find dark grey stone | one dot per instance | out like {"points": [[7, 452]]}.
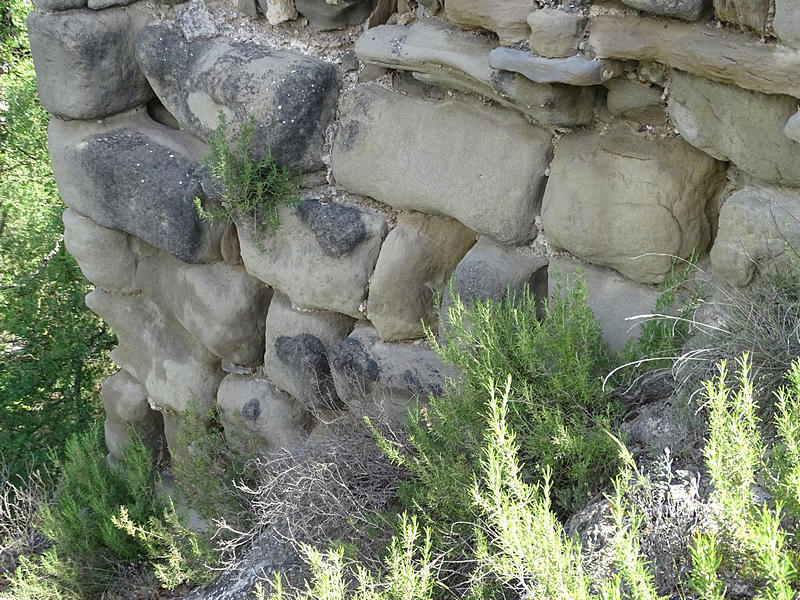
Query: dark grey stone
{"points": [[54, 5], [84, 59], [307, 355], [326, 16], [337, 227], [688, 10], [350, 357], [291, 97], [251, 410]]}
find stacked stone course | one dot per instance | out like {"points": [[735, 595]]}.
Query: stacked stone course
{"points": [[501, 142]]}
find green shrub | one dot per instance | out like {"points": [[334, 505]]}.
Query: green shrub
{"points": [[251, 191]]}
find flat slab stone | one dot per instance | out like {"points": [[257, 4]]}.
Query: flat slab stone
{"points": [[750, 13], [443, 55], [175, 369], [733, 124], [688, 10], [493, 188], [221, 305], [297, 351], [415, 262], [612, 298], [131, 174], [650, 207], [574, 70], [322, 255], [292, 97], [96, 50], [54, 5], [718, 54], [507, 18], [335, 15], [755, 226], [384, 379], [254, 409]]}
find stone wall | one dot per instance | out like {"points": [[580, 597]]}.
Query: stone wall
{"points": [[497, 142]]}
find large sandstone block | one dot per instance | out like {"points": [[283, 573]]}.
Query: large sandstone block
{"points": [[652, 200], [291, 97], [750, 13], [445, 56], [104, 255], [131, 174], [507, 18], [84, 60], [787, 22], [322, 255], [297, 351], [255, 409], [492, 183], [127, 411], [738, 125], [416, 261], [221, 305], [175, 369], [384, 379], [756, 224], [613, 299]]}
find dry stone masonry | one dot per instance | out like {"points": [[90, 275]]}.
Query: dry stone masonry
{"points": [[447, 147]]}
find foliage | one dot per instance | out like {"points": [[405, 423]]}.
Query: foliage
{"points": [[557, 405], [53, 351], [103, 518], [251, 191]]}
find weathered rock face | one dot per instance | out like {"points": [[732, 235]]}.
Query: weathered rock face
{"points": [[222, 306], [291, 97], [255, 409], [787, 22], [750, 13], [278, 11], [755, 226], [125, 402], [413, 267], [652, 200], [134, 175], [54, 5], [335, 15], [554, 33], [297, 351], [507, 18], [175, 369], [321, 256], [96, 49], [104, 255], [636, 101], [737, 125], [384, 379], [574, 70], [388, 158], [688, 10], [612, 298], [445, 56]]}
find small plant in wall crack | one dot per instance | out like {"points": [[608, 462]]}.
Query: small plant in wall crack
{"points": [[250, 191]]}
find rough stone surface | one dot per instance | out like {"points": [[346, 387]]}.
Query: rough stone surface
{"points": [[131, 174], [291, 97], [125, 402], [383, 379], [54, 5], [96, 50], [222, 306], [489, 271], [416, 260], [298, 345], [248, 7], [652, 200], [507, 18], [612, 298], [688, 10], [787, 22], [719, 54], [278, 11], [321, 256], [196, 22], [737, 125], [636, 101], [574, 70], [554, 32], [755, 226], [104, 255], [792, 127], [176, 369], [750, 13], [442, 55], [326, 15], [494, 188], [254, 408]]}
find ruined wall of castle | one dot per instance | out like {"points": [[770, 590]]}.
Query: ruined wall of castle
{"points": [[497, 142]]}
